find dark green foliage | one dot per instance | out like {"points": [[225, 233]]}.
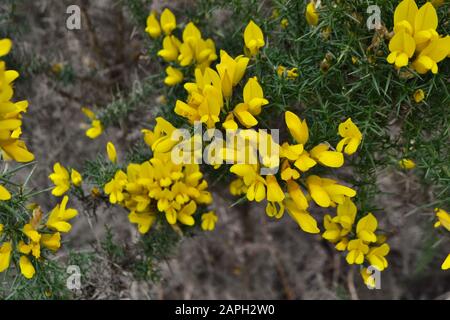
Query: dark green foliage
{"points": [[99, 171], [139, 10], [156, 246]]}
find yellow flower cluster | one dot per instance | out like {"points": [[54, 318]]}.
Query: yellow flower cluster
{"points": [[11, 147], [62, 180], [192, 49], [294, 189], [295, 162], [415, 37], [159, 186], [36, 236], [210, 95], [361, 243], [443, 221]]}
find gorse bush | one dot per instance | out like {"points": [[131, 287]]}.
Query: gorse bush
{"points": [[296, 106]]}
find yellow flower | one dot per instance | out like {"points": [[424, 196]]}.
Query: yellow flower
{"points": [[33, 247], [61, 180], [174, 190], [356, 251], [443, 219], [436, 51], [425, 24], [419, 95], [407, 164], [376, 256], [404, 16], [11, 148], [351, 137], [16, 150], [367, 277], [5, 47], [144, 220], [342, 245], [253, 38], [284, 23], [195, 48], [51, 241], [274, 191], [305, 221], [229, 123], [174, 76], [95, 130], [289, 73], [153, 28], [365, 229], [245, 117], [170, 49], [326, 192], [191, 37], [287, 173], [292, 73], [402, 47], [5, 251], [159, 140], [75, 177], [1, 228], [26, 267], [312, 18], [111, 151], [238, 187], [415, 30], [209, 220], [275, 209], [346, 214], [168, 21], [325, 157], [341, 225], [297, 127], [297, 195], [256, 189], [254, 96], [4, 193], [30, 231], [209, 109], [253, 101], [292, 152], [332, 231], [281, 70], [59, 216], [115, 187], [445, 264], [231, 70], [184, 215], [88, 113]]}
